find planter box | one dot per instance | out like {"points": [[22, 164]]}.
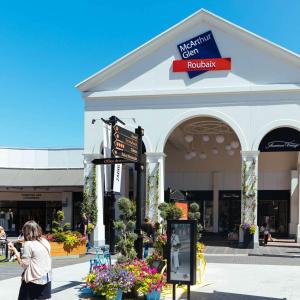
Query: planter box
{"points": [[58, 249], [248, 240]]}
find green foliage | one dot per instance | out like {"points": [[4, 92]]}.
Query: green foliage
{"points": [[125, 227], [194, 214], [61, 232], [89, 203], [169, 211]]}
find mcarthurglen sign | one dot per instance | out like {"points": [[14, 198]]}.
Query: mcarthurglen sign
{"points": [[199, 55]]}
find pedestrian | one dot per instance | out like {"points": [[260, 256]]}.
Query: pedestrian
{"points": [[83, 227], [264, 229], [147, 227], [3, 241], [36, 262], [2, 234]]}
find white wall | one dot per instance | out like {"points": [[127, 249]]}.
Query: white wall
{"points": [[41, 158]]}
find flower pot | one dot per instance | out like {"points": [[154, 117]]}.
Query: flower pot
{"points": [[248, 240], [133, 294], [59, 249], [118, 296], [154, 295]]}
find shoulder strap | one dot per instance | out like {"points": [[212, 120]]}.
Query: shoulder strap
{"points": [[48, 251]]}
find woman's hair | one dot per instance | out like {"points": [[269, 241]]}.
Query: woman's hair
{"points": [[32, 231], [1, 228]]}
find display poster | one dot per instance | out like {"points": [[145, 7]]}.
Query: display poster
{"points": [[181, 266]]}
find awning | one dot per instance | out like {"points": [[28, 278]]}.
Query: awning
{"points": [[41, 177]]}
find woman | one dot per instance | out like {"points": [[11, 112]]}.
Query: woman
{"points": [[175, 245], [36, 262]]}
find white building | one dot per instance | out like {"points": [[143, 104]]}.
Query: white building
{"points": [[34, 183], [203, 135]]}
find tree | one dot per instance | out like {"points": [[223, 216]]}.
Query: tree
{"points": [[194, 214], [125, 227]]}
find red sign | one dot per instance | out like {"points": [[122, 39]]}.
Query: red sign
{"points": [[185, 210], [206, 64]]}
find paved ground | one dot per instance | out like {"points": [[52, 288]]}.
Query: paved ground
{"points": [[223, 282], [266, 273], [12, 269]]}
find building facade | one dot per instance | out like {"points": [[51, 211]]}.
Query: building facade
{"points": [[224, 130], [35, 183]]}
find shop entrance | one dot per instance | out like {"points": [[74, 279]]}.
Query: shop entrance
{"points": [[201, 153], [279, 150], [32, 210], [273, 209], [229, 211]]}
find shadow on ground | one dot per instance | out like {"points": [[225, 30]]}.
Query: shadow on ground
{"points": [[226, 296]]}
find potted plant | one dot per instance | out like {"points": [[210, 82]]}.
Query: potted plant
{"points": [[160, 245], [64, 241], [110, 281], [148, 281], [249, 231]]}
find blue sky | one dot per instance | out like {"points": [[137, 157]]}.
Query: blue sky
{"points": [[46, 47]]}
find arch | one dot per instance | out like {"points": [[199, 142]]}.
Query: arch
{"points": [[271, 126], [179, 119]]}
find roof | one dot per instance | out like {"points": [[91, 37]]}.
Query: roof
{"points": [[155, 43]]}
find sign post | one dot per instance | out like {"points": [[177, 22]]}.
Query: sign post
{"points": [[126, 147], [139, 169]]}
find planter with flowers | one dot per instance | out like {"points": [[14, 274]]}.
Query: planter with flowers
{"points": [[249, 231], [65, 242], [148, 281], [110, 281]]}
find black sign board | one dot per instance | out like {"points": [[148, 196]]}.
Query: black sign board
{"points": [[110, 161], [124, 154], [181, 243], [118, 145], [125, 144], [124, 132], [281, 139]]}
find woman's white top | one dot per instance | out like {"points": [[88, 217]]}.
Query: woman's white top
{"points": [[36, 260]]}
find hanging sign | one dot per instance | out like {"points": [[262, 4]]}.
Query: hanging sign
{"points": [[280, 140], [117, 178], [199, 55]]}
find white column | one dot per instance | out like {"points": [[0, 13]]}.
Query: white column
{"points": [[99, 231], [67, 206], [216, 188], [294, 210], [98, 236], [249, 191], [298, 202], [155, 181]]}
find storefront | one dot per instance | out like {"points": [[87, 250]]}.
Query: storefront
{"points": [[35, 183], [220, 111]]}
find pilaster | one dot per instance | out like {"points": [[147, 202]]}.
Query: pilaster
{"points": [[155, 178], [249, 192]]}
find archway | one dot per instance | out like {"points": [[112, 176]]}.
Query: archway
{"points": [[203, 161], [278, 199]]}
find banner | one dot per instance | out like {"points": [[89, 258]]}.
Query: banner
{"points": [[117, 178]]}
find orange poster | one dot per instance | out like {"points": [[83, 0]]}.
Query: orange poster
{"points": [[184, 208]]}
